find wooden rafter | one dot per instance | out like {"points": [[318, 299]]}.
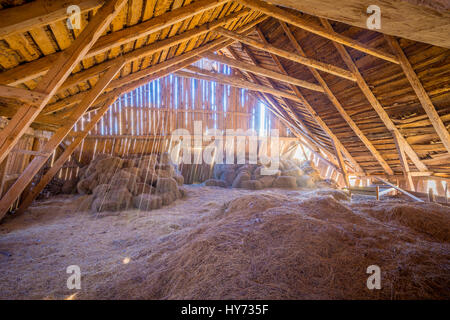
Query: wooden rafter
{"points": [[39, 13], [22, 95], [338, 105], [313, 113], [58, 74], [376, 105], [36, 68], [36, 164], [424, 99], [299, 22], [202, 74], [290, 114], [147, 74], [263, 72], [340, 158], [329, 68]]}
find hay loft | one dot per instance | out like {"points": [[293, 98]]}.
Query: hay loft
{"points": [[214, 123]]}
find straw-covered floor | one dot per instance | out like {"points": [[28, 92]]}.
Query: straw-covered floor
{"points": [[230, 244]]}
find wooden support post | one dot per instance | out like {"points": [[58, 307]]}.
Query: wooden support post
{"points": [[424, 99], [376, 105], [403, 160], [377, 189], [341, 163], [29, 198], [59, 72], [28, 174], [431, 196]]}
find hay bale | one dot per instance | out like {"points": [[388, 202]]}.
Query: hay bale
{"points": [[108, 164], [140, 188], [267, 181], [164, 185], [240, 178], [179, 179], [149, 177], [147, 201], [305, 181], [148, 162], [215, 183], [228, 176], [218, 170], [86, 203], [69, 186], [134, 170], [85, 186], [294, 172], [168, 198], [285, 182], [252, 185], [183, 192], [101, 190], [115, 200], [165, 159], [163, 174]]}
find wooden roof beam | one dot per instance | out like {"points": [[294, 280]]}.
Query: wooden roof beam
{"points": [[299, 22], [59, 72], [374, 101], [424, 99], [36, 68], [39, 13], [148, 50], [262, 72], [149, 74], [338, 105], [202, 74], [325, 67]]}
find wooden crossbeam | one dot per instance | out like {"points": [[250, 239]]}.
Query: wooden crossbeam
{"points": [[233, 81], [58, 74], [424, 99], [57, 165], [403, 161], [376, 105], [36, 68], [312, 111], [39, 13], [36, 164], [299, 22], [325, 67], [23, 95], [338, 105], [262, 71]]}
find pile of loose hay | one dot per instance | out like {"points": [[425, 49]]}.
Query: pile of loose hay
{"points": [[269, 246], [114, 184], [291, 174]]}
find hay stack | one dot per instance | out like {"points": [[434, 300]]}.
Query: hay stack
{"points": [[291, 174], [115, 184]]}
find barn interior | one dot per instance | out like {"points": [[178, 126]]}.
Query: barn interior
{"points": [[216, 149]]}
